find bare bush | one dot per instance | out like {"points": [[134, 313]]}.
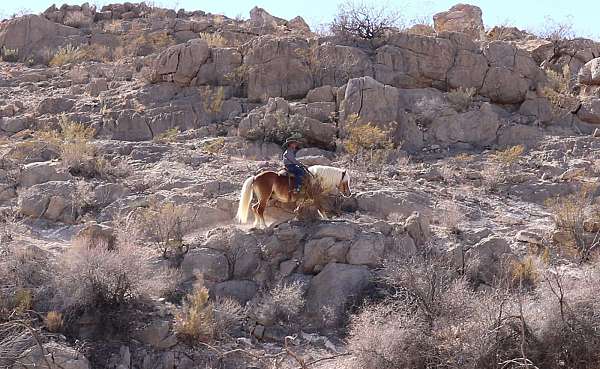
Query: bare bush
{"points": [[287, 299], [570, 215], [99, 277], [558, 91], [555, 30], [451, 217], [359, 19], [165, 225]]}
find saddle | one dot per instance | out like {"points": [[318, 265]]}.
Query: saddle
{"points": [[285, 173]]}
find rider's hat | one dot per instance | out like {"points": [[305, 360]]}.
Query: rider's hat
{"points": [[291, 141]]}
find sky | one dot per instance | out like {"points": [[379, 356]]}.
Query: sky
{"points": [[524, 14]]}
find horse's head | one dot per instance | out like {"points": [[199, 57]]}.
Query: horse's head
{"points": [[344, 184]]}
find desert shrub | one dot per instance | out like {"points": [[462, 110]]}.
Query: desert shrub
{"points": [[558, 91], [509, 156], [381, 337], [165, 225], [102, 277], [53, 321], [525, 273], [213, 99], [214, 146], [228, 316], [570, 213], [66, 55], [369, 145], [213, 39], [167, 136], [357, 19], [287, 299], [196, 319], [569, 325], [278, 131], [461, 98], [9, 55], [555, 30]]}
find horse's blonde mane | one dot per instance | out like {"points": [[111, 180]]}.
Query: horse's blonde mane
{"points": [[330, 176]]}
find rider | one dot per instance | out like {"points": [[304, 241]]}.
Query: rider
{"points": [[292, 164]]}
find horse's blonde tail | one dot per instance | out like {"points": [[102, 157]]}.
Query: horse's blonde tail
{"points": [[245, 200]]}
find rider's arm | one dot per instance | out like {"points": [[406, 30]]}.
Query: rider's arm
{"points": [[289, 155]]}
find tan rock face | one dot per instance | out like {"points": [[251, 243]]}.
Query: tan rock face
{"points": [[31, 34], [462, 18]]}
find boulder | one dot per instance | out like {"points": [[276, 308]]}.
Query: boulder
{"points": [[277, 67], [417, 227], [539, 108], [370, 100], [53, 200], [239, 290], [339, 231], [321, 94], [334, 64], [334, 287], [157, 334], [589, 74], [368, 249], [94, 234], [319, 252], [413, 61], [385, 202], [590, 110], [55, 105], [462, 18], [41, 172], [56, 354], [32, 35], [488, 260], [181, 63], [476, 127], [519, 134], [129, 125], [12, 125], [213, 265]]}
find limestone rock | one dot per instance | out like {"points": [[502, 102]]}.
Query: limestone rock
{"points": [[59, 356], [41, 172], [366, 250], [213, 265], [51, 200], [277, 67], [460, 18], [32, 34], [240, 290], [181, 63], [590, 110], [477, 127], [331, 289], [589, 74]]}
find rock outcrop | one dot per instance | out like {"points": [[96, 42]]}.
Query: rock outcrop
{"points": [[462, 18]]}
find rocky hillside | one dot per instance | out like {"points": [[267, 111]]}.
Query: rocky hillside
{"points": [[126, 133]]}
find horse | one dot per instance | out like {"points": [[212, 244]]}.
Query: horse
{"points": [[277, 185]]}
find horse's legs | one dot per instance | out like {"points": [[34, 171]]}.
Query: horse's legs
{"points": [[262, 205]]}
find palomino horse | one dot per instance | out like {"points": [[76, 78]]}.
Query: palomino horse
{"points": [[272, 184]]}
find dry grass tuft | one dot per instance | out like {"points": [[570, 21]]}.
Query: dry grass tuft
{"points": [[509, 156], [213, 39], [461, 98], [196, 320], [170, 135], [53, 321]]}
